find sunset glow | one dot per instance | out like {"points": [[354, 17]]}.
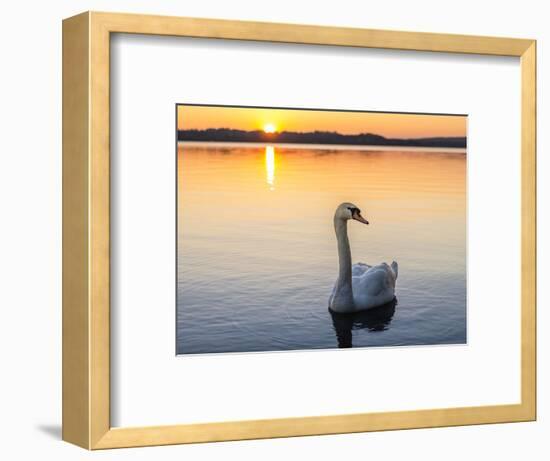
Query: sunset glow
{"points": [[269, 128], [268, 120]]}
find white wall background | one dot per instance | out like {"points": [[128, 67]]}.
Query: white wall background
{"points": [[30, 229]]}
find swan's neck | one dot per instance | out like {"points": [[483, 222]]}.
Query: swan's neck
{"points": [[344, 251], [343, 293]]}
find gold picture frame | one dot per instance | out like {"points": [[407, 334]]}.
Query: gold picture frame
{"points": [[86, 232]]}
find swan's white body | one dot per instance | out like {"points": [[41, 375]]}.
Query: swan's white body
{"points": [[358, 287]]}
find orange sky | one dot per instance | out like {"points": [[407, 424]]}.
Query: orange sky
{"points": [[386, 124]]}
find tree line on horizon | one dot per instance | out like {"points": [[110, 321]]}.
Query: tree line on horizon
{"points": [[315, 137]]}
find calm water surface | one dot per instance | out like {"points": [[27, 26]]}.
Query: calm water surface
{"points": [[257, 255]]}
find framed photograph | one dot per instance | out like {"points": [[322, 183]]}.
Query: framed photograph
{"points": [[249, 184], [276, 230]]}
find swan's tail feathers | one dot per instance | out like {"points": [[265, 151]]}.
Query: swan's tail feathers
{"points": [[395, 269]]}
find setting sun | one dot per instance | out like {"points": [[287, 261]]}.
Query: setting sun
{"points": [[269, 128]]}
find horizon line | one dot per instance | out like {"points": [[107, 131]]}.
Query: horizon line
{"points": [[338, 133]]}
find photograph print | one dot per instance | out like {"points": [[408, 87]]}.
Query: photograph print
{"points": [[304, 229]]}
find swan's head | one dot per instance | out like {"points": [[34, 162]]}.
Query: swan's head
{"points": [[346, 211]]}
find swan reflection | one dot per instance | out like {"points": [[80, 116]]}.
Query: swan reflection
{"points": [[376, 319], [270, 166]]}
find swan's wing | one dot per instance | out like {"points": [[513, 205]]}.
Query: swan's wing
{"points": [[395, 268], [375, 280], [375, 286], [359, 269]]}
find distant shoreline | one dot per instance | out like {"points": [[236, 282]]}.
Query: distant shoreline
{"points": [[317, 138]]}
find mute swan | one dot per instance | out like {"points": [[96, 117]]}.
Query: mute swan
{"points": [[360, 286]]}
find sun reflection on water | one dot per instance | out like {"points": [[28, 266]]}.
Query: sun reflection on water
{"points": [[256, 274], [270, 166]]}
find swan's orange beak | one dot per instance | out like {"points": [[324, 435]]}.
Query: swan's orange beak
{"points": [[358, 217]]}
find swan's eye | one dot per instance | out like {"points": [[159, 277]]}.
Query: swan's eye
{"points": [[354, 211]]}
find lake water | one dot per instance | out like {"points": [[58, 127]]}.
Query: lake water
{"points": [[257, 256]]}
